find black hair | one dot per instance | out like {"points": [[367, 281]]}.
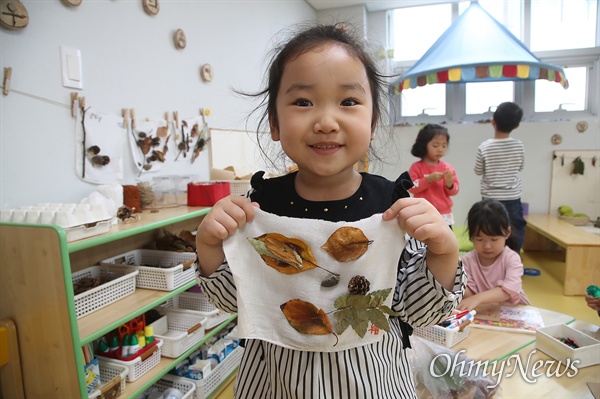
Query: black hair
{"points": [[508, 116], [490, 217], [305, 40], [426, 134]]}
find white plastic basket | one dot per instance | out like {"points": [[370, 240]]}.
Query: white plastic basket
{"points": [[447, 337], [206, 386], [108, 373], [121, 285], [138, 367], [198, 303], [179, 332], [170, 381], [239, 187], [159, 270]]}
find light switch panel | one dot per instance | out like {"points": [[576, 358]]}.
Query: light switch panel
{"points": [[71, 67]]}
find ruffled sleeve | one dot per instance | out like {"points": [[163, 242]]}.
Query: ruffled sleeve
{"points": [[402, 185]]}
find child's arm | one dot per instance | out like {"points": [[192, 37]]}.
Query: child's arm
{"points": [[479, 167], [226, 216], [422, 221], [495, 295]]}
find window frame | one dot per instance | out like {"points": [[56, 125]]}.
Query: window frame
{"points": [[524, 91]]}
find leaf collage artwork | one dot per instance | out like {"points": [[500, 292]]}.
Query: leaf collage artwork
{"points": [[357, 308]]}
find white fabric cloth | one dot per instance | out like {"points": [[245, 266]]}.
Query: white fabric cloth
{"points": [[261, 289]]}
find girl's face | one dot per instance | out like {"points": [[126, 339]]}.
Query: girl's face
{"points": [[436, 149], [324, 111], [488, 248]]}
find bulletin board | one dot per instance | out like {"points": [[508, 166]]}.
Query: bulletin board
{"points": [[579, 191]]}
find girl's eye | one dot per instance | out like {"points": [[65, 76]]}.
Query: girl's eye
{"points": [[302, 103], [349, 102]]}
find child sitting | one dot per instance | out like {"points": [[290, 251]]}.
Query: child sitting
{"points": [[493, 268]]}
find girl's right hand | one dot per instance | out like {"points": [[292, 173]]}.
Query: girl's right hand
{"points": [[225, 217]]}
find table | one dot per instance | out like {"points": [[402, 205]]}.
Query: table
{"points": [[582, 249], [485, 344]]}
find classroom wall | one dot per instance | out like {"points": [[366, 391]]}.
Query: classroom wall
{"points": [[128, 61]]}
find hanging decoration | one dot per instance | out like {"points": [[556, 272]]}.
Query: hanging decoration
{"points": [[477, 48], [13, 14]]}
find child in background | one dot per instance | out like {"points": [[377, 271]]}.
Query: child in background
{"points": [[499, 161], [493, 268], [434, 179], [323, 100]]}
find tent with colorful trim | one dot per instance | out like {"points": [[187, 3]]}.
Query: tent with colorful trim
{"points": [[477, 48]]}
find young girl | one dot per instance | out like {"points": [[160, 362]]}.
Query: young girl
{"points": [[493, 268], [433, 179], [323, 100]]}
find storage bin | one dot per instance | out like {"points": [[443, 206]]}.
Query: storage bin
{"points": [[158, 270], [547, 339], [179, 332], [141, 364], [198, 303], [447, 337], [206, 386], [122, 285], [112, 381], [169, 381]]}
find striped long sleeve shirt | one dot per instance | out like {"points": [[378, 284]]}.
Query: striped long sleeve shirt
{"points": [[499, 162]]}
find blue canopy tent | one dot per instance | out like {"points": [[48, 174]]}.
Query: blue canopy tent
{"points": [[477, 48]]}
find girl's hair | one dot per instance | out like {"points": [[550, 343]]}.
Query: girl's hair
{"points": [[304, 41], [426, 134], [490, 217]]}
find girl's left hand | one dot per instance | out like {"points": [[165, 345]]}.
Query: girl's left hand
{"points": [[422, 221], [448, 178]]}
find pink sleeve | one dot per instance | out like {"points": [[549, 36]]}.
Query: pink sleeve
{"points": [[469, 264], [418, 178], [512, 284]]}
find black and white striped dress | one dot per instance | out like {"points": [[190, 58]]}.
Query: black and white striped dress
{"points": [[379, 370]]}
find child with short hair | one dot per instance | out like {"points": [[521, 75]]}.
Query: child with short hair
{"points": [[493, 268], [499, 161], [323, 100], [434, 179]]}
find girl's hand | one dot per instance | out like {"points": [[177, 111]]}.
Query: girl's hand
{"points": [[422, 221], [433, 177], [225, 217], [469, 303], [449, 178], [592, 302]]}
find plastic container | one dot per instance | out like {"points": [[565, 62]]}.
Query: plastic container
{"points": [[185, 385], [547, 339], [158, 270], [197, 303], [141, 364], [112, 381], [179, 332], [122, 285], [447, 337], [206, 386], [239, 187]]}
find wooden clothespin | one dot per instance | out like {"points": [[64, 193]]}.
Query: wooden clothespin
{"points": [[81, 103], [74, 96], [7, 75], [202, 114], [132, 112], [176, 116], [125, 117]]}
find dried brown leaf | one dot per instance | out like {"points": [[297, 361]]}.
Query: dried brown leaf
{"points": [[286, 255], [347, 243], [306, 318]]}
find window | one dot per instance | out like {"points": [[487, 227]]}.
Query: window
{"points": [[559, 32]]}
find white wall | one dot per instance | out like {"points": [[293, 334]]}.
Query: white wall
{"points": [[464, 140], [129, 61]]}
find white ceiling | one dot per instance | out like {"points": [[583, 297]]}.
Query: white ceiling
{"points": [[372, 5]]}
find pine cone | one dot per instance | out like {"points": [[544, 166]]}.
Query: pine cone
{"points": [[359, 285]]}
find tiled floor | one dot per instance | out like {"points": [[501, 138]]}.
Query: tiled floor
{"points": [[544, 291]]}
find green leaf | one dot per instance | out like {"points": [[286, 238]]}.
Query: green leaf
{"points": [[380, 296], [377, 317], [342, 320], [387, 310], [360, 321], [341, 302], [358, 301]]}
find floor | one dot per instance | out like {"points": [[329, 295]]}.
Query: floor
{"points": [[544, 291]]}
